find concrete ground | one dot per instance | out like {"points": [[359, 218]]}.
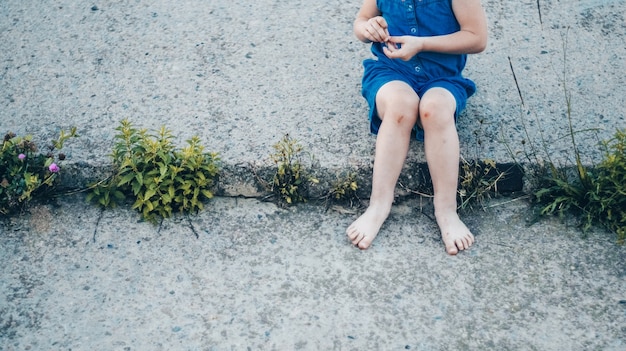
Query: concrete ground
{"points": [[246, 274]]}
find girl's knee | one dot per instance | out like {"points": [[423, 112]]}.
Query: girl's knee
{"points": [[399, 108], [401, 114], [437, 107]]}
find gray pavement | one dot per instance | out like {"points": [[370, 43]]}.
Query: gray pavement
{"points": [[240, 75], [245, 274]]}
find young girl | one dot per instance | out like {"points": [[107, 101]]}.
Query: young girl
{"points": [[415, 85]]}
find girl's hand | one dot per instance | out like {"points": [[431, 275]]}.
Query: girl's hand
{"points": [[375, 29], [404, 47]]}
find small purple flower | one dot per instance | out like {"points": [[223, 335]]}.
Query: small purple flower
{"points": [[21, 157], [54, 168]]}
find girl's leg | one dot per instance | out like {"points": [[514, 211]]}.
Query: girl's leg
{"points": [[397, 105], [441, 146]]}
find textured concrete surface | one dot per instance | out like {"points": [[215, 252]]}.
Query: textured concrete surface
{"points": [[244, 274], [240, 75]]}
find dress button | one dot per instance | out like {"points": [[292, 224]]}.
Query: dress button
{"points": [[410, 8], [418, 68], [413, 30]]}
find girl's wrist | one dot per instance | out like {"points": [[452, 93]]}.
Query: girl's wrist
{"points": [[422, 44], [360, 31]]}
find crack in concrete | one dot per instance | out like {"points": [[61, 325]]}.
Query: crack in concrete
{"points": [[95, 231], [539, 11], [193, 229]]}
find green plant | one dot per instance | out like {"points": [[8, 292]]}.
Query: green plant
{"points": [[290, 183], [477, 181], [24, 173], [597, 195], [344, 191], [611, 186], [160, 178]]}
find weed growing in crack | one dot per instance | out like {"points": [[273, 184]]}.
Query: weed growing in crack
{"points": [[290, 184], [597, 196], [594, 194], [25, 173], [478, 181], [343, 191], [158, 177]]}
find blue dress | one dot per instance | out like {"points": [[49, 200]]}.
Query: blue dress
{"points": [[425, 70]]}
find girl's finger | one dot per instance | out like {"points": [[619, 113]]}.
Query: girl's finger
{"points": [[375, 34], [388, 51], [382, 35], [378, 29], [381, 22], [391, 47]]}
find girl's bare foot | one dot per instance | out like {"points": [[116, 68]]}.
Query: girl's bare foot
{"points": [[455, 234], [363, 231]]}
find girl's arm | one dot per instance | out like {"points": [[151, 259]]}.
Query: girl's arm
{"points": [[369, 26], [470, 39]]}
